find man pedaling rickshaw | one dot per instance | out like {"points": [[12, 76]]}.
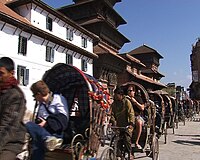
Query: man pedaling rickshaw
{"points": [[122, 115]]}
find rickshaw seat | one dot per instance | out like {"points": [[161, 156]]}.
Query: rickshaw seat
{"points": [[76, 126]]}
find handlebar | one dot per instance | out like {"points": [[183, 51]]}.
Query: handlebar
{"points": [[115, 127]]}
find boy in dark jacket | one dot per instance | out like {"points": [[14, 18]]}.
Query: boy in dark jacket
{"points": [[12, 110]]}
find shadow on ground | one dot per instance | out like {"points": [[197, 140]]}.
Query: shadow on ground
{"points": [[185, 142], [188, 135]]}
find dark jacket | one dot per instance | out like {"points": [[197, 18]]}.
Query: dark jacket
{"points": [[122, 113], [56, 123], [12, 129]]}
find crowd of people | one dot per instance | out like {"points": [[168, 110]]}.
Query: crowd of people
{"points": [[53, 115], [51, 120], [50, 123]]}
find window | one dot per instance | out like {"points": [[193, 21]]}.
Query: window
{"points": [[49, 54], [49, 23], [83, 65], [69, 34], [22, 45], [69, 59], [22, 75], [84, 42]]}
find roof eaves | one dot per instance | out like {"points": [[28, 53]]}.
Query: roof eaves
{"points": [[94, 1], [145, 78], [135, 60], [32, 29], [154, 50], [144, 49], [4, 10], [55, 13]]}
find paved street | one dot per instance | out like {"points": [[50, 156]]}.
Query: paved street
{"points": [[183, 145]]}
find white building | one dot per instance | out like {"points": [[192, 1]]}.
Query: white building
{"points": [[37, 37]]}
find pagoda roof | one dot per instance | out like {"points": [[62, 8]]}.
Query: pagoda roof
{"points": [[150, 71], [144, 49], [106, 33], [146, 79], [118, 17], [110, 2], [132, 59], [99, 50]]}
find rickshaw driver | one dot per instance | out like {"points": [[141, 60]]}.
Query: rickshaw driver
{"points": [[138, 107], [122, 115]]}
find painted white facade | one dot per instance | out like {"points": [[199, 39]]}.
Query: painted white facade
{"points": [[37, 17], [34, 60]]}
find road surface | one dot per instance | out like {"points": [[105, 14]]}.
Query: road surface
{"points": [[183, 145]]}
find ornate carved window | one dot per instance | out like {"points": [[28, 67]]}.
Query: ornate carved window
{"points": [[112, 78]]}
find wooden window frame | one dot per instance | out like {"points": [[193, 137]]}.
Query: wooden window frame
{"points": [[22, 45]]}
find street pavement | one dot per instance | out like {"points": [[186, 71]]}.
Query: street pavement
{"points": [[183, 145]]}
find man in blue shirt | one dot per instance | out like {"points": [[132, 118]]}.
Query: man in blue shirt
{"points": [[51, 120]]}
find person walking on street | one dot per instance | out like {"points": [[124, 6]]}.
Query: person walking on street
{"points": [[51, 120], [138, 107], [12, 111], [122, 115]]}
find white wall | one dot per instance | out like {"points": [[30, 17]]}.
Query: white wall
{"points": [[34, 60], [36, 51], [37, 17]]}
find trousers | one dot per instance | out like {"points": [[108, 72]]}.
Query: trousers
{"points": [[38, 136], [7, 155]]}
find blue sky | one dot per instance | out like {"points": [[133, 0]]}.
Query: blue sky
{"points": [[171, 27]]}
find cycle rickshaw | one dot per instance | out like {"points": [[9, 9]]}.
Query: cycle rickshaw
{"points": [[190, 111], [160, 113], [196, 106], [168, 114], [84, 136], [148, 138], [175, 113], [181, 113]]}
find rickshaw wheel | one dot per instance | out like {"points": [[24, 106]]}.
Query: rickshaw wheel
{"points": [[155, 148], [165, 132], [108, 154], [114, 144], [184, 120], [173, 127], [81, 153], [176, 123], [76, 144], [85, 153]]}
